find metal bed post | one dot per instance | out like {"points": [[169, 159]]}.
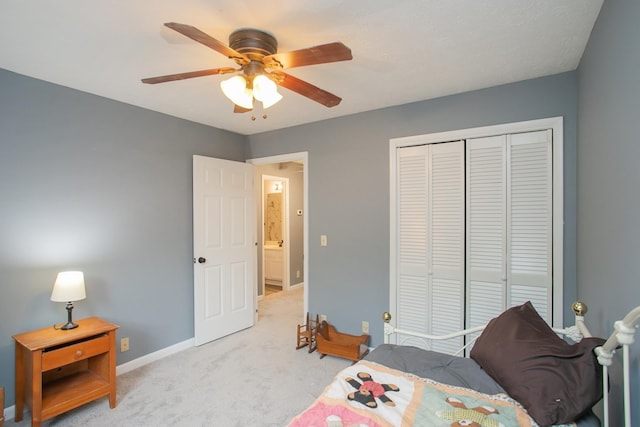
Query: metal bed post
{"points": [[623, 335], [627, 390]]}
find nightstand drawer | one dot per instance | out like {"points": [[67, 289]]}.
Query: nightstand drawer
{"points": [[72, 353]]}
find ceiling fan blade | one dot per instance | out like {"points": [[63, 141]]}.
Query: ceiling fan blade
{"points": [[197, 35], [239, 109], [322, 54], [310, 91], [188, 75]]}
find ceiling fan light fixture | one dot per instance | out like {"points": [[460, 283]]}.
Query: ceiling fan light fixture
{"points": [[236, 90], [256, 52], [265, 90], [274, 98]]}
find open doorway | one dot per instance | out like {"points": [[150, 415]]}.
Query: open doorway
{"points": [[276, 231], [282, 180]]}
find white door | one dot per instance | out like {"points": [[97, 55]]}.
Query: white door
{"points": [[486, 228], [509, 224], [430, 217], [493, 206], [446, 246], [412, 294], [223, 247], [530, 221]]}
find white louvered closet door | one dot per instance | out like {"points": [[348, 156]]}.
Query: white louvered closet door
{"points": [[529, 221], [430, 284], [486, 260], [412, 280], [446, 243], [509, 224]]}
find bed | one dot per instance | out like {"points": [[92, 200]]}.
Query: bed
{"points": [[520, 372]]}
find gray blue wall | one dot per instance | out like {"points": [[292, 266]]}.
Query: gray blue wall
{"points": [[349, 186], [609, 172], [103, 187]]}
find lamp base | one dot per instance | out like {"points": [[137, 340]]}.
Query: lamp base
{"points": [[69, 325]]}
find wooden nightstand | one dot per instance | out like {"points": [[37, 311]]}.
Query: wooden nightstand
{"points": [[59, 370]]}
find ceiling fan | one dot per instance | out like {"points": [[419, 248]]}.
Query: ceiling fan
{"points": [[256, 52]]}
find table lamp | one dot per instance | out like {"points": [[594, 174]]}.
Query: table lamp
{"points": [[68, 287]]}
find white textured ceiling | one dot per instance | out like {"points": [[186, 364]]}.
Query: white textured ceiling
{"points": [[403, 51]]}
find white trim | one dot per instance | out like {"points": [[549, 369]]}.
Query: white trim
{"points": [[155, 356], [394, 144], [10, 412], [479, 132], [304, 157], [296, 286], [553, 123]]}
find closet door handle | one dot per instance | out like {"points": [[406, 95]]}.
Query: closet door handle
{"points": [[202, 260]]}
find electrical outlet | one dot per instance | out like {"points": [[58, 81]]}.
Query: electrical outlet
{"points": [[365, 327], [323, 317], [323, 240], [297, 274], [124, 344]]}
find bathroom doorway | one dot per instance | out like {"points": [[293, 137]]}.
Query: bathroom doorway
{"points": [[275, 228], [286, 174]]}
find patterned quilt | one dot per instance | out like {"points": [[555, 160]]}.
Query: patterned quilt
{"points": [[369, 394]]}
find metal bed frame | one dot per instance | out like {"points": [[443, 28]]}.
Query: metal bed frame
{"points": [[622, 337]]}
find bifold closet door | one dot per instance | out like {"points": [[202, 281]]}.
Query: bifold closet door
{"points": [[430, 282], [530, 221], [486, 228], [509, 224]]}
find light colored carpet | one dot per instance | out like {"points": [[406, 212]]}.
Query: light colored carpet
{"points": [[255, 377]]}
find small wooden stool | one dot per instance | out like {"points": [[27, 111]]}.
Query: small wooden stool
{"points": [[307, 334]]}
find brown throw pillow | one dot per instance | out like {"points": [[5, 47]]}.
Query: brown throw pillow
{"points": [[555, 381]]}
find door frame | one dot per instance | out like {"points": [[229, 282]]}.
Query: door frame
{"points": [[303, 157], [286, 261]]}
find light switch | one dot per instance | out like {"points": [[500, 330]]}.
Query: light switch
{"points": [[323, 240]]}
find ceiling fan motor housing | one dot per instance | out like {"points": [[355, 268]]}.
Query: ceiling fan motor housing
{"points": [[255, 44]]}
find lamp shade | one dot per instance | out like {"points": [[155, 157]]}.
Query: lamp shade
{"points": [[271, 100], [265, 90], [69, 286]]}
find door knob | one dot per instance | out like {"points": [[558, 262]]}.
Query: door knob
{"points": [[202, 260]]}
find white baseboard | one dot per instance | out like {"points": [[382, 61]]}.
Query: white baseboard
{"points": [[296, 286], [10, 412], [156, 355]]}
